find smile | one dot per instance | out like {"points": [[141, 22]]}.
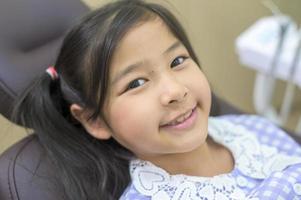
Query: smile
{"points": [[184, 121]]}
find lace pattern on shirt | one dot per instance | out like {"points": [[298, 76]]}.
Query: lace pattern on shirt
{"points": [[251, 159]]}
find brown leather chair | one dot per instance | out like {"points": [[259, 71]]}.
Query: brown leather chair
{"points": [[30, 36]]}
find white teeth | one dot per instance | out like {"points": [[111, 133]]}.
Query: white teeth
{"points": [[188, 114], [180, 119]]}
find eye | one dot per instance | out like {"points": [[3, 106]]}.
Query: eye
{"points": [[135, 83], [177, 61]]}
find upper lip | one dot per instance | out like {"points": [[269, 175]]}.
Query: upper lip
{"points": [[177, 116]]}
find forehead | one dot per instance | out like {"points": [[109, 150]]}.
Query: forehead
{"points": [[145, 32], [144, 41]]}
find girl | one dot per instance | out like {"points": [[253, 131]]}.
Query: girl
{"points": [[124, 113]]}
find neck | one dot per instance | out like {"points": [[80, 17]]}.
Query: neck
{"points": [[209, 159]]}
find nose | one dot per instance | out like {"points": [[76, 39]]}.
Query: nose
{"points": [[172, 91]]}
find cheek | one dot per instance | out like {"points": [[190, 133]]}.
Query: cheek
{"points": [[122, 117], [132, 123], [129, 116], [201, 89]]}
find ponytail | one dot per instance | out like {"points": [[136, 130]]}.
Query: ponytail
{"points": [[87, 168]]}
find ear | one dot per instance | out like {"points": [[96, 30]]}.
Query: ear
{"points": [[97, 128]]}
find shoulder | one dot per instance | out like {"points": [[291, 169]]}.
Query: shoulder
{"points": [[258, 146], [266, 132], [284, 184]]}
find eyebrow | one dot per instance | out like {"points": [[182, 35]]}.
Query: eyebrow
{"points": [[138, 64]]}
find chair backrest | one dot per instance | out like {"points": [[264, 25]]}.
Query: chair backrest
{"points": [[30, 35]]}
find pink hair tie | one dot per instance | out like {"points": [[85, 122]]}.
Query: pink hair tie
{"points": [[52, 73]]}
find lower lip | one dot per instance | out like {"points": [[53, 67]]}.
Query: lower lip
{"points": [[185, 124]]}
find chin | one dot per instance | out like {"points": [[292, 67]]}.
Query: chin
{"points": [[193, 144]]}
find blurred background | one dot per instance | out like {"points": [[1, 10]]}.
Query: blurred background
{"points": [[213, 27]]}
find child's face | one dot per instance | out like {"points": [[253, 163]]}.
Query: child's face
{"points": [[153, 81]]}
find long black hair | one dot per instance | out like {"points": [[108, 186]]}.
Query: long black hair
{"points": [[88, 168]]}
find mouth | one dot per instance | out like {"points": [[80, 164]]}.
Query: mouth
{"points": [[183, 121]]}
